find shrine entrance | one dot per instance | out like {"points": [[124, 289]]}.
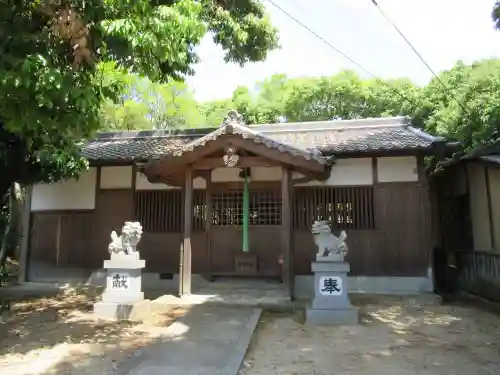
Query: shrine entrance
{"points": [[246, 231], [247, 220]]}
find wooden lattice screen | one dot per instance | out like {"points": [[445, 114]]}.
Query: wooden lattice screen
{"points": [[344, 207], [163, 210], [264, 208]]}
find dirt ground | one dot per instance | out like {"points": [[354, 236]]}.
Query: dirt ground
{"points": [[59, 336], [394, 339]]}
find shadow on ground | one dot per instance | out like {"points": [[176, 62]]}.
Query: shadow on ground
{"points": [[58, 335], [396, 336]]}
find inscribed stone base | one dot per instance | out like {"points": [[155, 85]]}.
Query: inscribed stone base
{"points": [[123, 298], [122, 311], [345, 316], [331, 303]]}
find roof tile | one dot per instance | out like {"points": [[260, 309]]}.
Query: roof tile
{"points": [[327, 137]]}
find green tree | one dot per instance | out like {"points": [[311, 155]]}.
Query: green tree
{"points": [[495, 14], [264, 104], [464, 104], [342, 96], [170, 105], [213, 112], [346, 96], [152, 105], [59, 59]]}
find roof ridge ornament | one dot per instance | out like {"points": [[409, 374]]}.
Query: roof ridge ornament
{"points": [[233, 118]]}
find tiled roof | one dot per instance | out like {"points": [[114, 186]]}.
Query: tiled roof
{"points": [[327, 137], [489, 152], [233, 125], [493, 158]]}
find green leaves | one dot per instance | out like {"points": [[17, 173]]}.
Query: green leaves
{"points": [[65, 64], [149, 105], [465, 104], [495, 14]]}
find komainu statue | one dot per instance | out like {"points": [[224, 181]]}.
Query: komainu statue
{"points": [[327, 243], [127, 242]]}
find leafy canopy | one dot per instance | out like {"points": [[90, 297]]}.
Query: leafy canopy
{"points": [[152, 105], [341, 96], [61, 60], [465, 105]]}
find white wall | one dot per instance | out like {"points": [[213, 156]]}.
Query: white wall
{"points": [[347, 172], [494, 176], [72, 194], [479, 207], [142, 183], [66, 195], [397, 169], [116, 177]]}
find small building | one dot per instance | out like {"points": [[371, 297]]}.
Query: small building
{"points": [[187, 188], [468, 199]]}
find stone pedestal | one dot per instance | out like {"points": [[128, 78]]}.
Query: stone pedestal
{"points": [[331, 303], [123, 295]]}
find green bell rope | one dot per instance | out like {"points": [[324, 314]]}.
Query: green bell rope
{"points": [[246, 209]]}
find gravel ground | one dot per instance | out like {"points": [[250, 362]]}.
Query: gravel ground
{"points": [[394, 338], [60, 336]]}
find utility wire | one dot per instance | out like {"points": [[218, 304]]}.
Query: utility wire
{"points": [[347, 57], [418, 54]]}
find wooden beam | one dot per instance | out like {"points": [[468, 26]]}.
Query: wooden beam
{"points": [[133, 184], [208, 222], [271, 153], [374, 170], [58, 238], [98, 173], [490, 208], [252, 185], [427, 217], [185, 265], [243, 162], [26, 239], [286, 234]]}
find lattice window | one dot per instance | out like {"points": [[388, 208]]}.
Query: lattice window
{"points": [[199, 209], [264, 208], [163, 210], [344, 207]]}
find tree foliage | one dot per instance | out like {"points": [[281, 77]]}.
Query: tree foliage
{"points": [[495, 14], [342, 96], [62, 59], [463, 104], [152, 105]]}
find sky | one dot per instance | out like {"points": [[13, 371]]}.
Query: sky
{"points": [[442, 31]]}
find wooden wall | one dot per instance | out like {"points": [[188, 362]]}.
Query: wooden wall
{"points": [[388, 228], [396, 245]]}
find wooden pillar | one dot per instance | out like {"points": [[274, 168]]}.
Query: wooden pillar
{"points": [[287, 275], [25, 242], [490, 207], [208, 223], [185, 258], [133, 188]]}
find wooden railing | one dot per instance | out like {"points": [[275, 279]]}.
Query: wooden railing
{"points": [[478, 272]]}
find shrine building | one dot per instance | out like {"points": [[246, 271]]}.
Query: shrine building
{"points": [[239, 201]]}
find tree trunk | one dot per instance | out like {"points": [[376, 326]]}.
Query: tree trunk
{"points": [[10, 224]]}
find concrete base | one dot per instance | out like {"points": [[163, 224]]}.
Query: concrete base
{"points": [[122, 311], [122, 297], [345, 316]]}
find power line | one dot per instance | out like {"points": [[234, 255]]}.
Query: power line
{"points": [[417, 53], [347, 57], [405, 38]]}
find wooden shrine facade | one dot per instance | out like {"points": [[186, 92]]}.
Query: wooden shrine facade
{"points": [[234, 145], [189, 200]]}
